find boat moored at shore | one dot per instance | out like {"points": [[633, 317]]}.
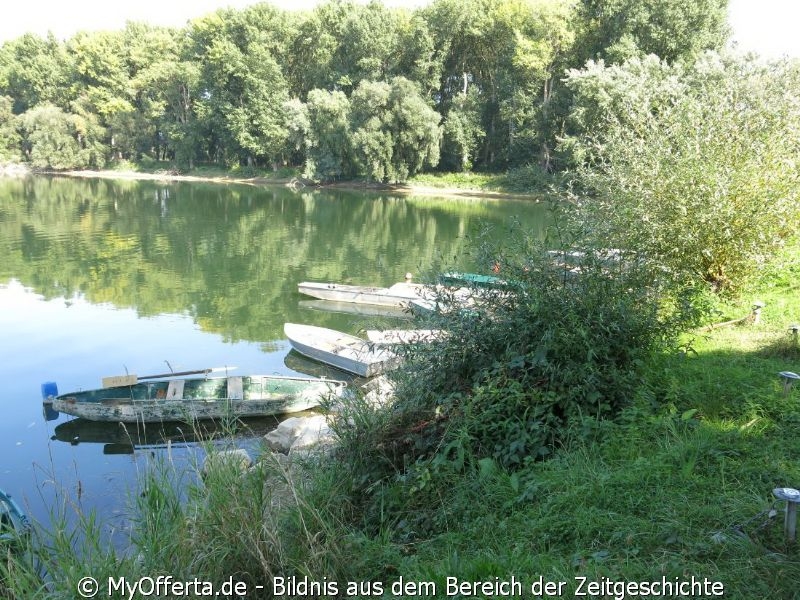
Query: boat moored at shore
{"points": [[341, 350], [196, 398]]}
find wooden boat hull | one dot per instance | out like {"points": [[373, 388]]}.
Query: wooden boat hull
{"points": [[398, 295], [341, 350], [198, 398]]}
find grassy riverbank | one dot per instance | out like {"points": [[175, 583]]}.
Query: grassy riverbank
{"points": [[678, 485]]}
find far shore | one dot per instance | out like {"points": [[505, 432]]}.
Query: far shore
{"points": [[294, 182]]}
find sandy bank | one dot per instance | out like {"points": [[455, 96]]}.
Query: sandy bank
{"points": [[295, 183]]}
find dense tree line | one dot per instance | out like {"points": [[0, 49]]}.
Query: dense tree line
{"points": [[346, 89]]}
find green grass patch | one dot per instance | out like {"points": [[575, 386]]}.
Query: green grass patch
{"points": [[520, 180], [489, 182]]}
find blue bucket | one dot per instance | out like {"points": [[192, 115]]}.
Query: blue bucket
{"points": [[49, 391]]}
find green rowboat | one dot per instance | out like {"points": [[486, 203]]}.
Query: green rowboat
{"points": [[195, 398]]}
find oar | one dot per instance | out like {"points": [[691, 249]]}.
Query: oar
{"points": [[182, 373], [120, 380]]}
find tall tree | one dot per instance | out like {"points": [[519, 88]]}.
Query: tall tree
{"points": [[417, 59], [509, 53], [615, 30], [166, 85], [366, 41], [308, 64], [463, 37], [243, 88], [35, 70], [462, 133], [543, 37], [395, 133], [102, 84]]}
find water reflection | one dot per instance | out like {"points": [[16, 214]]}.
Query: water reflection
{"points": [[101, 277], [75, 343], [125, 438], [228, 256]]}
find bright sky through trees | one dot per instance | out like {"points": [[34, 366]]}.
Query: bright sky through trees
{"points": [[764, 26], [768, 27], [66, 18]]}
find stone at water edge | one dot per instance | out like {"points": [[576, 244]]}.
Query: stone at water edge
{"points": [[379, 392], [300, 432]]}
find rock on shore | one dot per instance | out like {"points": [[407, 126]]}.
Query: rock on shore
{"points": [[301, 435]]}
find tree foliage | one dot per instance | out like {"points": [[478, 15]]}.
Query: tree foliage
{"points": [[9, 135], [617, 30], [695, 169], [58, 140], [395, 133], [34, 70], [329, 154], [244, 88], [225, 87]]}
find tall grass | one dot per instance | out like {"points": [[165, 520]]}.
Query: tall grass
{"points": [[212, 520]]}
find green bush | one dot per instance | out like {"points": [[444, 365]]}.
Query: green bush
{"points": [[563, 340]]}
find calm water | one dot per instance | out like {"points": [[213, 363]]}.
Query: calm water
{"points": [[101, 277]]}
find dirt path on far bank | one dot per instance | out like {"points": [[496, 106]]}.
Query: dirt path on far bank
{"points": [[297, 184]]}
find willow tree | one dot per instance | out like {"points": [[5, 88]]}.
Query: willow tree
{"points": [[703, 179], [395, 134], [54, 139], [328, 149]]}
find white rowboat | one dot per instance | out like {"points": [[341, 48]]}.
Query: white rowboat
{"points": [[399, 295], [341, 350]]}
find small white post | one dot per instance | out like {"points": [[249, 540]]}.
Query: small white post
{"points": [[756, 308], [795, 329], [788, 379], [792, 497]]}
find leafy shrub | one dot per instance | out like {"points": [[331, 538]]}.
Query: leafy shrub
{"points": [[564, 340], [529, 178]]}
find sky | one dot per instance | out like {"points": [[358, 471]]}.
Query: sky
{"points": [[767, 27]]}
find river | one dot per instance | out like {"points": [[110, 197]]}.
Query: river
{"points": [[102, 277]]}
